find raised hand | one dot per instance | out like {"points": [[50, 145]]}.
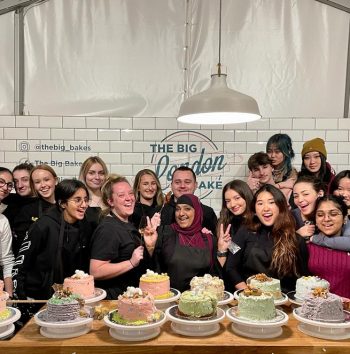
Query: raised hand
{"points": [[224, 238], [136, 257], [150, 233]]}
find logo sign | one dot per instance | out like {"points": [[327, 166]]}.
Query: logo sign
{"points": [[192, 149]]}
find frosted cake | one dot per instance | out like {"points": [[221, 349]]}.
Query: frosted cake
{"points": [[209, 283], [305, 285], [194, 303], [80, 283], [266, 284], [156, 284]]}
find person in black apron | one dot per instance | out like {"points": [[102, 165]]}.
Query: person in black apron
{"points": [[118, 256], [56, 245], [183, 249]]}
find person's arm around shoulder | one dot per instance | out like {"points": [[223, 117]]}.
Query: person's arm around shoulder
{"points": [[341, 243]]}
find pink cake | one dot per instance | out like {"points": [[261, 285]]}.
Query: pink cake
{"points": [[156, 284], [136, 306], [80, 283], [3, 297]]}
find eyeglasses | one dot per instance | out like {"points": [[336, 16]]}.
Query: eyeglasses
{"points": [[332, 214], [79, 201], [3, 183]]}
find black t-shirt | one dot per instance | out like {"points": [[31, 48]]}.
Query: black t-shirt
{"points": [[115, 241]]}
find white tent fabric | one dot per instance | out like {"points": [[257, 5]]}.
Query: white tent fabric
{"points": [[128, 57]]}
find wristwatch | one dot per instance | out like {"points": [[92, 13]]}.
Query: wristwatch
{"points": [[221, 254]]}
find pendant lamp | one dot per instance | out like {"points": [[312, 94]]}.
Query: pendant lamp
{"points": [[219, 104]]}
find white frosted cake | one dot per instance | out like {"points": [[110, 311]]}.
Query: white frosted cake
{"points": [[209, 283], [305, 286], [266, 284]]}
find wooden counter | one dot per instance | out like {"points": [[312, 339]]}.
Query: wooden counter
{"points": [[28, 340]]}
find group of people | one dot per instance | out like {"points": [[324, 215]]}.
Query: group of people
{"points": [[280, 222]]}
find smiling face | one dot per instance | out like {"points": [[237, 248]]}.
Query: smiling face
{"points": [[266, 209], [6, 179], [263, 173], [122, 201], [343, 190], [312, 161], [75, 207], [147, 188], [95, 177], [183, 183], [305, 198], [329, 218], [184, 215], [44, 184], [234, 202], [276, 156], [22, 182]]}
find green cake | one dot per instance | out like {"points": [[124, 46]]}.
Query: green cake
{"points": [[255, 305], [266, 284], [197, 304]]}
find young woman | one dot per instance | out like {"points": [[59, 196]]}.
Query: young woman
{"points": [[330, 264], [57, 244], [118, 258], [43, 180], [269, 244], [148, 194], [6, 255], [340, 186], [280, 151], [314, 155], [184, 249], [94, 172]]}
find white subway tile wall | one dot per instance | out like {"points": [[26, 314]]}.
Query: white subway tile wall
{"points": [[217, 153]]}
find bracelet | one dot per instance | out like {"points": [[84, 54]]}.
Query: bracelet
{"points": [[131, 263], [221, 254]]}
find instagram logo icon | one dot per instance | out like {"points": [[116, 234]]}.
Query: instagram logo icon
{"points": [[24, 146]]}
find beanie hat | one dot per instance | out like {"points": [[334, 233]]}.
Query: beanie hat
{"points": [[316, 144]]}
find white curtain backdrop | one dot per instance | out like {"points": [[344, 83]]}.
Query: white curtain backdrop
{"points": [[127, 57]]}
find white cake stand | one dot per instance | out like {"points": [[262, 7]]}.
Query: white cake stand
{"points": [[163, 304], [100, 294], [278, 302], [228, 297], [257, 329], [134, 333], [324, 330], [62, 329], [293, 299], [6, 326], [194, 328]]}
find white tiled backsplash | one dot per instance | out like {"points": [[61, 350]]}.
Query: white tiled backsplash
{"points": [[130, 144]]}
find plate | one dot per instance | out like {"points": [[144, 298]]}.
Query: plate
{"points": [[40, 319], [228, 297], [294, 300], [324, 330], [257, 329], [14, 316], [7, 331], [278, 302], [100, 294], [134, 333], [176, 295], [195, 327]]}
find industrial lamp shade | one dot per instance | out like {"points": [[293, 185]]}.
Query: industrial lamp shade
{"points": [[219, 105]]}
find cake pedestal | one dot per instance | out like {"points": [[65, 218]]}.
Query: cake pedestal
{"points": [[163, 304], [324, 330], [134, 333], [6, 326], [194, 327], [257, 329], [62, 329], [100, 294], [228, 297], [293, 299]]}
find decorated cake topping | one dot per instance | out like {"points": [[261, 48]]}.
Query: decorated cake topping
{"points": [[152, 274], [252, 292], [320, 292], [262, 277], [80, 274], [64, 295], [132, 293]]}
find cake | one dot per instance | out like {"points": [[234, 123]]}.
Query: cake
{"points": [[323, 306], [255, 305], [209, 283], [305, 285], [197, 303], [156, 284], [135, 307], [4, 312], [80, 283], [63, 305], [266, 284]]}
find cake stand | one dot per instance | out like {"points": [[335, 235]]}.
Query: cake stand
{"points": [[324, 330], [134, 333], [293, 299], [194, 327], [228, 297], [62, 329], [163, 304], [278, 302], [257, 329], [100, 294], [6, 326]]}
